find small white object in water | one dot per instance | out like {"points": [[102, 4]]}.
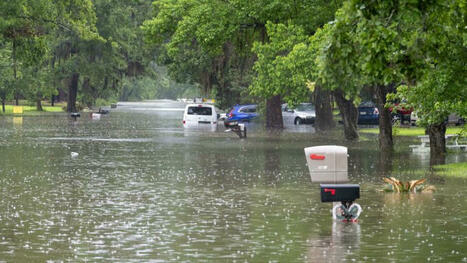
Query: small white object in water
{"points": [[95, 116], [74, 154]]}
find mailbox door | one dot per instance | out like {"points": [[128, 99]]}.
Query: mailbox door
{"points": [[327, 163], [321, 161]]}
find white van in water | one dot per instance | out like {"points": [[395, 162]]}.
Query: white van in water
{"points": [[200, 116]]}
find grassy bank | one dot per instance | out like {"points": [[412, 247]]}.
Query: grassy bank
{"points": [[412, 131], [31, 110], [452, 170]]}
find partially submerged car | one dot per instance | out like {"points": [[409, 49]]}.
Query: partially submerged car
{"points": [[241, 113], [304, 113], [200, 116]]}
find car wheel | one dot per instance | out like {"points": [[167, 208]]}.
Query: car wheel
{"points": [[298, 121]]}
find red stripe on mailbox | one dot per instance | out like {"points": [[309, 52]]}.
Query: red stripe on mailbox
{"points": [[317, 157], [333, 191]]}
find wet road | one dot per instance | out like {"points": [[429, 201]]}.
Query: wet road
{"points": [[143, 189]]}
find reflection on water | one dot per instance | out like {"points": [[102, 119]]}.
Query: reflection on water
{"points": [[18, 121], [342, 243], [142, 189]]}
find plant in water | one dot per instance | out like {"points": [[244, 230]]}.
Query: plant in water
{"points": [[412, 186]]}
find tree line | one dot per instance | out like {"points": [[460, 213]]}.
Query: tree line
{"points": [[80, 51], [408, 51], [263, 51]]}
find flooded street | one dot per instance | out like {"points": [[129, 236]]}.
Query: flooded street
{"points": [[143, 189]]}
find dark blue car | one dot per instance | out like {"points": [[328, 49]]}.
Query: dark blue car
{"points": [[241, 113], [368, 113]]}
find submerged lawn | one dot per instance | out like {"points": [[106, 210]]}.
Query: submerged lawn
{"points": [[452, 169], [412, 131]]}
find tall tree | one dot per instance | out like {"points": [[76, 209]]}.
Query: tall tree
{"points": [[435, 69], [209, 42], [271, 80]]}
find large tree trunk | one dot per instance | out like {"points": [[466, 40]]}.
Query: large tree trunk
{"points": [[274, 113], [437, 133], [324, 118], [72, 92], [39, 103], [349, 115], [86, 88], [3, 105], [62, 95], [385, 119]]}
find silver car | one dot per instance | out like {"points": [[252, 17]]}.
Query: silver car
{"points": [[304, 113]]}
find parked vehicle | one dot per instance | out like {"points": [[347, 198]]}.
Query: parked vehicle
{"points": [[304, 113], [368, 113], [241, 113], [401, 114], [452, 119], [455, 119], [200, 116]]}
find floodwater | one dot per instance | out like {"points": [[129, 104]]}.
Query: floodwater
{"points": [[143, 189]]}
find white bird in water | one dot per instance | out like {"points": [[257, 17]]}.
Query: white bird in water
{"points": [[74, 154]]}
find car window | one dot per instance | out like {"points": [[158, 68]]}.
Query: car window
{"points": [[251, 109], [305, 107], [367, 104], [247, 109], [199, 110]]}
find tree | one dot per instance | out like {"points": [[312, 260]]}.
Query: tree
{"points": [[6, 73], [436, 76], [337, 70], [34, 26], [272, 80]]}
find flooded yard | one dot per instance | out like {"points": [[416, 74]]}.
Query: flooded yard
{"points": [[143, 189]]}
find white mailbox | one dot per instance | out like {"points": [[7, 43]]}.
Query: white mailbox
{"points": [[327, 163]]}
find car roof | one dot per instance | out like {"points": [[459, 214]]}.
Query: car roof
{"points": [[200, 105], [243, 105]]}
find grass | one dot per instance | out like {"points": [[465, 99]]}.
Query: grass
{"points": [[31, 110], [452, 169], [412, 131]]}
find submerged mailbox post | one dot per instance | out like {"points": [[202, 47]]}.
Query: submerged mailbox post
{"points": [[328, 164], [347, 210]]}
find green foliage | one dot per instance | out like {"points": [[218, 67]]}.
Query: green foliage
{"points": [[6, 72], [210, 42], [223, 47], [274, 70], [419, 44]]}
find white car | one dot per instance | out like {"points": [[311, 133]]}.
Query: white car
{"points": [[304, 113], [200, 116], [452, 119]]}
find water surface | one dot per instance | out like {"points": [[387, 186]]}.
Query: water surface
{"points": [[143, 189]]}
